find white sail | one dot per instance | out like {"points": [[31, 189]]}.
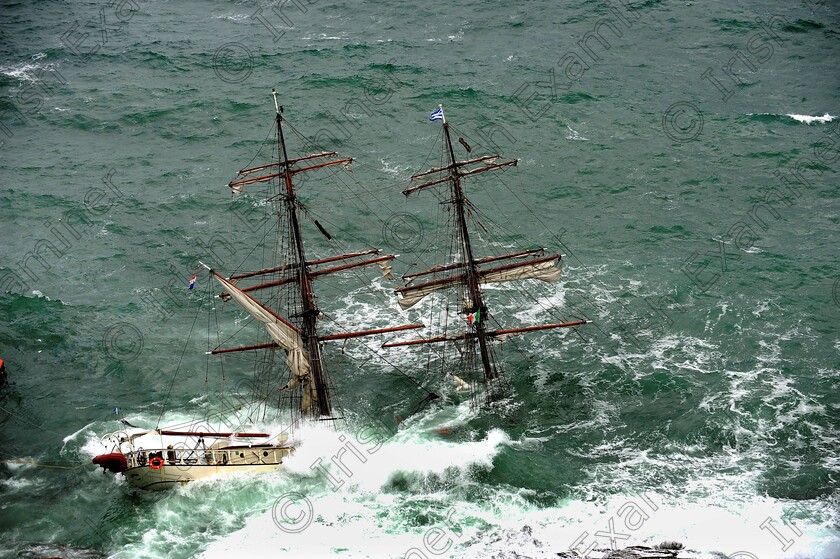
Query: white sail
{"points": [[548, 271], [281, 333], [411, 297]]}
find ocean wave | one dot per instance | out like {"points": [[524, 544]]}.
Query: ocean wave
{"points": [[232, 17], [811, 119], [29, 71], [791, 117], [506, 524]]}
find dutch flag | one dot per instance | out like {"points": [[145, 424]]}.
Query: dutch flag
{"points": [[192, 281]]}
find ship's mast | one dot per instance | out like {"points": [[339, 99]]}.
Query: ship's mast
{"points": [[302, 341], [473, 288], [522, 265], [310, 310]]}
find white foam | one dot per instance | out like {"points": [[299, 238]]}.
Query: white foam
{"points": [[73, 436], [394, 170], [807, 119], [325, 37], [232, 17], [360, 460], [19, 484], [506, 525], [28, 71], [574, 135], [811, 119], [456, 37]]}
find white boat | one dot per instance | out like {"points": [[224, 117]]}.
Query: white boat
{"points": [[227, 454]]}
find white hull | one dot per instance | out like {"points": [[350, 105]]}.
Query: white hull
{"points": [[173, 468], [144, 477]]}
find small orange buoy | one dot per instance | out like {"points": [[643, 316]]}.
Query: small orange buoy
{"points": [[156, 463]]}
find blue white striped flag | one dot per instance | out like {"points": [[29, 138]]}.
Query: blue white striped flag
{"points": [[437, 115]]}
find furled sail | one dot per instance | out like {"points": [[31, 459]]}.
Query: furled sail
{"points": [[546, 269], [283, 333]]}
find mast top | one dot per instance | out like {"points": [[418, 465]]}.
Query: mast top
{"points": [[438, 115], [277, 108]]}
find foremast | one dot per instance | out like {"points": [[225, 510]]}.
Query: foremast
{"points": [[301, 340], [309, 316]]}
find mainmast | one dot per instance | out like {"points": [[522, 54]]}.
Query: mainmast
{"points": [[470, 272], [310, 310], [476, 301]]}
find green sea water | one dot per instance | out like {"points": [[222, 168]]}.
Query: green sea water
{"points": [[683, 156]]}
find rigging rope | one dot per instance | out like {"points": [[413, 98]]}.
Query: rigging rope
{"points": [[31, 463], [375, 354], [178, 367]]}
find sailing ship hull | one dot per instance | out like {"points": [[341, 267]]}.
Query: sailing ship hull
{"points": [[165, 469], [167, 477]]}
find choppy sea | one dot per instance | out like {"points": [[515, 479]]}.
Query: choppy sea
{"points": [[682, 155]]}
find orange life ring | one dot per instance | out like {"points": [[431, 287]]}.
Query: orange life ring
{"points": [[156, 463]]}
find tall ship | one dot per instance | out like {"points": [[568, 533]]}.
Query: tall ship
{"points": [[282, 298]]}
